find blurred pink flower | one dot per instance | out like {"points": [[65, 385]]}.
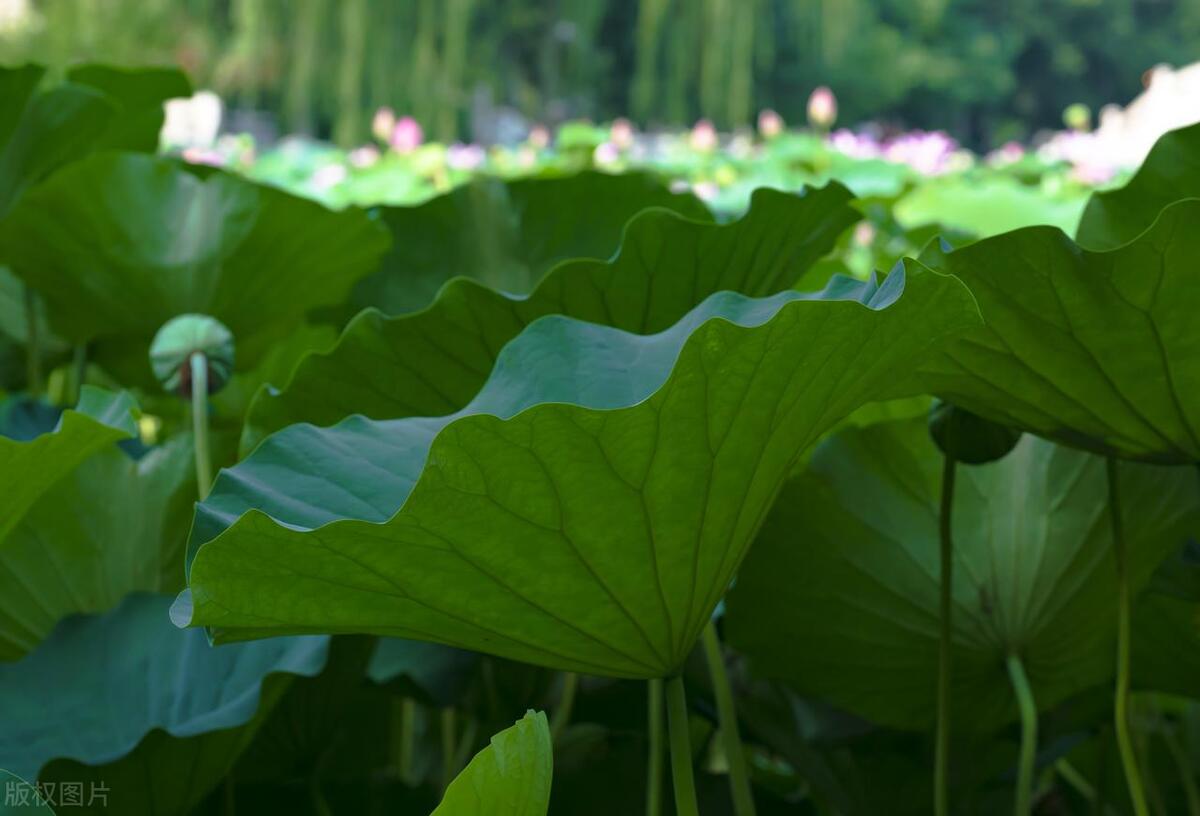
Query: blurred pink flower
{"points": [[203, 155], [770, 123], [465, 156], [864, 233], [406, 135], [855, 145], [925, 152], [703, 137], [705, 190], [621, 133], [329, 176], [1006, 154], [364, 156], [526, 156], [539, 137], [382, 124], [822, 108], [606, 153]]}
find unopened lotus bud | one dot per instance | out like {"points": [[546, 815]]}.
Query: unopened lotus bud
{"points": [[539, 137], [770, 124], [406, 135], [822, 108], [382, 124], [703, 137], [179, 339], [621, 133]]}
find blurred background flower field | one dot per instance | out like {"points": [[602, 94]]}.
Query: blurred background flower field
{"points": [[979, 117]]}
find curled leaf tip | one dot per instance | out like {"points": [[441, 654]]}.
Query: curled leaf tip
{"points": [[182, 337]]}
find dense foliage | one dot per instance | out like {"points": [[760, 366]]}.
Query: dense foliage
{"points": [[787, 507]]}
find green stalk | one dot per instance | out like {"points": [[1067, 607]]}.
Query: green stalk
{"points": [[654, 761], [199, 364], [566, 702], [449, 744], [739, 780], [404, 724], [80, 367], [465, 742], [33, 346], [1180, 757], [1133, 777], [681, 749], [1029, 724], [941, 800]]}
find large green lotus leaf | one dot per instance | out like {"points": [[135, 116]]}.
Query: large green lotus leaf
{"points": [[506, 235], [586, 510], [986, 206], [1098, 350], [433, 362], [41, 130], [21, 798], [1166, 645], [100, 687], [510, 777], [119, 243], [111, 527], [139, 95], [1170, 173], [840, 594], [29, 469]]}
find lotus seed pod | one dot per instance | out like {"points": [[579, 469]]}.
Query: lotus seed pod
{"points": [[186, 335], [967, 437]]}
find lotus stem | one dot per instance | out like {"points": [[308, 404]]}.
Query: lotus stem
{"points": [[33, 346], [1029, 725], [566, 702], [449, 744], [80, 366], [1183, 765], [199, 364], [404, 723], [465, 742], [681, 749], [941, 763], [739, 780], [654, 756], [1133, 777]]}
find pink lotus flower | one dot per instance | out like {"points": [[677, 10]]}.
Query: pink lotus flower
{"points": [[770, 123], [539, 137], [406, 135], [364, 156], [382, 124], [703, 137], [855, 145], [331, 175], [822, 108], [925, 152], [606, 153], [1008, 153], [706, 190], [864, 233], [465, 156], [203, 155], [621, 133]]}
